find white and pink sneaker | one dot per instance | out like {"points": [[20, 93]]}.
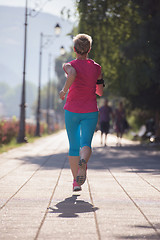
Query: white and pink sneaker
{"points": [[76, 187]]}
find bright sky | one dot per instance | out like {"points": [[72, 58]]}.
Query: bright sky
{"points": [[52, 6]]}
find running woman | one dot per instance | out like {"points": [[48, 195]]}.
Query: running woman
{"points": [[84, 81]]}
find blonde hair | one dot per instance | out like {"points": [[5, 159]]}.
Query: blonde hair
{"points": [[82, 43]]}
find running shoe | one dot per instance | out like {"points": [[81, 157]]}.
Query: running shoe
{"points": [[76, 187], [81, 176]]}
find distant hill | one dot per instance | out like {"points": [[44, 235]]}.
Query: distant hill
{"points": [[8, 76], [11, 55], [12, 43], [10, 99]]}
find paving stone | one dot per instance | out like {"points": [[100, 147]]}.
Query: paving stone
{"points": [[119, 200]]}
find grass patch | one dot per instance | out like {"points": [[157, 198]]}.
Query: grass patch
{"points": [[13, 144], [129, 136]]}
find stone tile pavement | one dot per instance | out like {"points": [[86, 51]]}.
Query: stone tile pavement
{"points": [[120, 199]]}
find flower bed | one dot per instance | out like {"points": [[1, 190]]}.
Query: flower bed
{"points": [[9, 130]]}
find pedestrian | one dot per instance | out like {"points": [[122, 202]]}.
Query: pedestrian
{"points": [[84, 81], [105, 112], [119, 122]]}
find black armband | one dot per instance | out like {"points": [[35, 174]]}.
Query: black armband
{"points": [[100, 81]]}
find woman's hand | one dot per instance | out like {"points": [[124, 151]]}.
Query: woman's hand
{"points": [[62, 94]]}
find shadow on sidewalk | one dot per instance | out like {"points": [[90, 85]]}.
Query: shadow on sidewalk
{"points": [[142, 236], [71, 206], [137, 159], [133, 158]]}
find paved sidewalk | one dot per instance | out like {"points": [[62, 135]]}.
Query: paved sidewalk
{"points": [[120, 199]]}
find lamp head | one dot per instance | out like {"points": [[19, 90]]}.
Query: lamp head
{"points": [[62, 50], [57, 29]]}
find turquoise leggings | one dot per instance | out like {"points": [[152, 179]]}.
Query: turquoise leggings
{"points": [[80, 129]]}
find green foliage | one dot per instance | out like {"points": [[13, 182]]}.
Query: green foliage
{"points": [[126, 44]]}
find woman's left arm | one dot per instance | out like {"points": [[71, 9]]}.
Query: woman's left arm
{"points": [[99, 87]]}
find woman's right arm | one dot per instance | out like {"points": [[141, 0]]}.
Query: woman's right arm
{"points": [[71, 74]]}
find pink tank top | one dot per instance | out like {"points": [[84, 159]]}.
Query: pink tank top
{"points": [[82, 93]]}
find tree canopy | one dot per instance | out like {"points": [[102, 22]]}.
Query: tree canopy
{"points": [[126, 44]]}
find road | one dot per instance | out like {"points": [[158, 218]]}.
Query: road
{"points": [[120, 199]]}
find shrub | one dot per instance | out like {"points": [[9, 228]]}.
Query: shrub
{"points": [[9, 130]]}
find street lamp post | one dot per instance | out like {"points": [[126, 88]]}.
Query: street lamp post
{"points": [[21, 136], [55, 90], [54, 87], [37, 133], [42, 45], [48, 90]]}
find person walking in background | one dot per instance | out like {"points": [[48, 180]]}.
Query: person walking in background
{"points": [[119, 122], [84, 81], [104, 120]]}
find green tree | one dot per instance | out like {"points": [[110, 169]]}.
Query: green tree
{"points": [[143, 55], [126, 43]]}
